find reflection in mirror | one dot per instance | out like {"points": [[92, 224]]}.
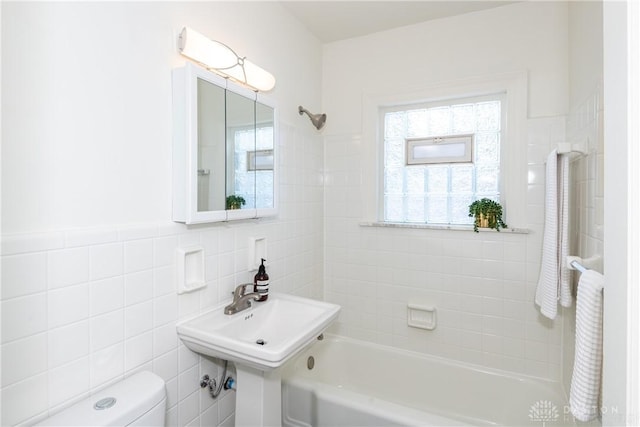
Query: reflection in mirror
{"points": [[263, 156], [241, 180], [211, 132]]}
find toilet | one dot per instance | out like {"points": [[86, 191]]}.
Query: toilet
{"points": [[139, 400]]}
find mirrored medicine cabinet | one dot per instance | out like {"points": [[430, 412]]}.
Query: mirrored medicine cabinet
{"points": [[223, 149]]}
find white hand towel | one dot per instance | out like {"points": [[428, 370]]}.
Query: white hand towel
{"points": [[585, 382], [553, 282]]}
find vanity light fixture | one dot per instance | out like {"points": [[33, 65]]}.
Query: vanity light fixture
{"points": [[221, 59]]}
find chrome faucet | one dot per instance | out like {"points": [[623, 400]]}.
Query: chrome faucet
{"points": [[241, 300]]}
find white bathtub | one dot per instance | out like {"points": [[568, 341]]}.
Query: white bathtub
{"points": [[354, 383]]}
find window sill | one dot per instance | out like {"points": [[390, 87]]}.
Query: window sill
{"points": [[440, 227]]}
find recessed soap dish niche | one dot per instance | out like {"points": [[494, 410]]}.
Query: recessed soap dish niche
{"points": [[190, 269], [422, 316], [257, 252]]}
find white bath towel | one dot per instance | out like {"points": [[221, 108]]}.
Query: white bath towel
{"points": [[553, 281], [585, 382]]}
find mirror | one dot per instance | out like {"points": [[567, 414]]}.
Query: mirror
{"points": [[241, 125], [263, 161], [223, 153], [211, 149]]}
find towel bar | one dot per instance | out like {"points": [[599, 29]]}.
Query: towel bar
{"points": [[582, 265], [575, 265], [573, 148]]}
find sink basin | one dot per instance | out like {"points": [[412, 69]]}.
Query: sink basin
{"points": [[264, 336]]}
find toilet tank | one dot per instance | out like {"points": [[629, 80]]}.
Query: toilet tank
{"points": [[140, 400]]}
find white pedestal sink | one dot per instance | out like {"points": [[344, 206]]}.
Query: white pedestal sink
{"points": [[259, 340]]}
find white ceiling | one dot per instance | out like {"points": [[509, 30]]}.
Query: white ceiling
{"points": [[332, 20]]}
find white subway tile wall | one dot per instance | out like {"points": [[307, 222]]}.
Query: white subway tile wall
{"points": [[585, 125], [482, 284], [82, 309]]}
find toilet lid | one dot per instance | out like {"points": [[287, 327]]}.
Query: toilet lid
{"points": [[117, 405]]}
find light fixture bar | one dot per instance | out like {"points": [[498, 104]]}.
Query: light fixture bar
{"points": [[221, 59]]}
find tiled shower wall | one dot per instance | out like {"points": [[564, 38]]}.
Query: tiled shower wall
{"points": [[584, 125], [82, 309], [482, 285]]}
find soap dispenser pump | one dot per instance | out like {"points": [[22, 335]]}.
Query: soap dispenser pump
{"points": [[261, 282]]}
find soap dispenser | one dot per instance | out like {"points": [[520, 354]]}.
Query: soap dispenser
{"points": [[261, 282]]}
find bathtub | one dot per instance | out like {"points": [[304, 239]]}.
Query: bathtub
{"points": [[355, 383]]}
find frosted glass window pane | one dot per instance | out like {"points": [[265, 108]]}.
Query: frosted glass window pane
{"points": [[264, 189], [463, 118], [460, 209], [415, 179], [417, 123], [487, 148], [264, 138], [393, 208], [415, 209], [438, 181], [437, 209], [462, 179], [488, 115], [395, 125], [442, 150], [439, 121], [487, 179], [394, 152], [244, 180], [244, 140], [393, 181]]}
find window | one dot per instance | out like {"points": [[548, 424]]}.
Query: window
{"points": [[439, 149], [253, 175], [428, 190]]}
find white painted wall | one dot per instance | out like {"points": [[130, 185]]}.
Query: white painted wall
{"points": [[585, 53], [482, 284], [88, 267], [87, 102]]}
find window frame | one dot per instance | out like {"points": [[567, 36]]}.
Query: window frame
{"points": [[448, 101], [514, 160], [430, 141]]}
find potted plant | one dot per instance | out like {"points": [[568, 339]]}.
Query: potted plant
{"points": [[235, 202], [487, 213]]}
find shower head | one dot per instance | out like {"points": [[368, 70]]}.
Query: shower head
{"points": [[318, 120]]}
